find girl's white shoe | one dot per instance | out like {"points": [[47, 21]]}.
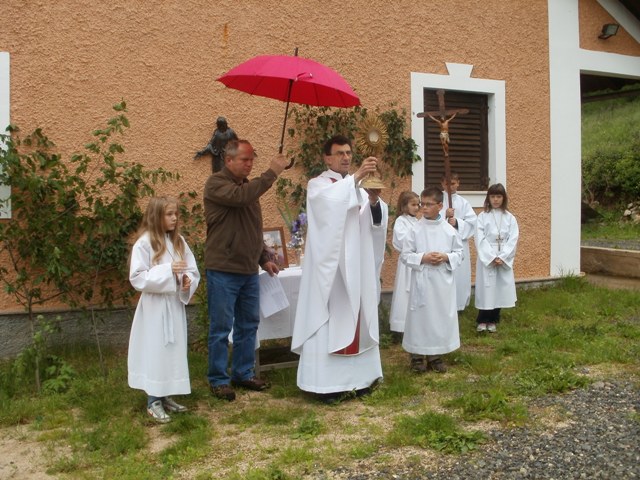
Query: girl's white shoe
{"points": [[156, 411], [169, 404]]}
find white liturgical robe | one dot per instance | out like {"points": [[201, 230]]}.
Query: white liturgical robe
{"points": [[496, 236], [157, 360], [466, 217], [339, 288], [432, 321], [400, 300]]}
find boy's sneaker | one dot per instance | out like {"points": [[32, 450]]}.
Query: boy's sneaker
{"points": [[156, 411], [437, 365], [170, 405], [491, 328], [482, 327], [418, 364]]}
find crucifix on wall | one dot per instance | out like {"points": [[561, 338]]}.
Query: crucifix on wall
{"points": [[442, 117]]}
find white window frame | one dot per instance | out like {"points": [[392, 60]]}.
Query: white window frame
{"points": [[5, 190], [459, 78]]}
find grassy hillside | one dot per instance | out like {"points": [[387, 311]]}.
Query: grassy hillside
{"points": [[610, 125], [611, 151]]}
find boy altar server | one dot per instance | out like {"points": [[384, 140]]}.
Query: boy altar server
{"points": [[433, 250], [461, 217], [336, 328]]}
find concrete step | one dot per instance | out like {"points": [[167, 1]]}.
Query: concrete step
{"points": [[609, 281], [610, 261]]}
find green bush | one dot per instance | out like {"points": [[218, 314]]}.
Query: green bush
{"points": [[612, 177], [67, 239], [611, 151]]}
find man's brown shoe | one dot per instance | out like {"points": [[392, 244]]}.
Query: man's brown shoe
{"points": [[223, 392], [254, 383]]}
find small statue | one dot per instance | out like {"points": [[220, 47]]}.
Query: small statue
{"points": [[221, 135]]}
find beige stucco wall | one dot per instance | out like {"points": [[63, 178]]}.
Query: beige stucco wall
{"points": [[592, 18], [72, 60]]}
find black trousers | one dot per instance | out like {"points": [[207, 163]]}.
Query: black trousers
{"points": [[488, 316]]}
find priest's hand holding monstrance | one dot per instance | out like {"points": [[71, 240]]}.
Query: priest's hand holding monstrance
{"points": [[371, 140]]}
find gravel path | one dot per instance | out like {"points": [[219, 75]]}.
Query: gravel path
{"points": [[596, 436]]}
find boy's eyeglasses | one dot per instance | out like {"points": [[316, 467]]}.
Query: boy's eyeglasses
{"points": [[428, 204]]}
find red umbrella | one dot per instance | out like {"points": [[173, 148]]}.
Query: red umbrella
{"points": [[291, 79]]}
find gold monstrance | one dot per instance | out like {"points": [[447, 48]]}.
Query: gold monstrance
{"points": [[371, 140]]}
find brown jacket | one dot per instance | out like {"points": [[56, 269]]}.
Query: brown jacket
{"points": [[234, 222]]}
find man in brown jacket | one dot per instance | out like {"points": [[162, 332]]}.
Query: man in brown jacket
{"points": [[233, 251]]}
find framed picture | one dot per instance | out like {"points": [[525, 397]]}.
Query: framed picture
{"points": [[274, 239]]}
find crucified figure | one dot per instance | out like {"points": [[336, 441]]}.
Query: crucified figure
{"points": [[443, 122], [444, 130]]}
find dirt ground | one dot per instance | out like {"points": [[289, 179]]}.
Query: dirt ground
{"points": [[21, 455], [24, 457]]}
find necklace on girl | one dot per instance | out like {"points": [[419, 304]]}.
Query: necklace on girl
{"points": [[498, 238]]}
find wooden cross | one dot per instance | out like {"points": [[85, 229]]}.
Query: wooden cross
{"points": [[443, 122]]}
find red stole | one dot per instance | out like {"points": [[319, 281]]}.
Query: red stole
{"points": [[354, 347]]}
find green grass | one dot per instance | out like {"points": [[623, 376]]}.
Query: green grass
{"points": [[433, 430], [611, 153], [98, 427], [610, 227], [491, 404], [607, 125]]}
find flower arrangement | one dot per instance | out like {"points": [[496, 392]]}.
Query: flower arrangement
{"points": [[298, 229]]}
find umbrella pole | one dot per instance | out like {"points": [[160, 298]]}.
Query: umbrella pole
{"points": [[286, 114]]}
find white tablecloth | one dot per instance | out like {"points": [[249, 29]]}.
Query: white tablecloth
{"points": [[280, 324]]}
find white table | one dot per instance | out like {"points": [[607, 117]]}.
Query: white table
{"points": [[280, 324]]}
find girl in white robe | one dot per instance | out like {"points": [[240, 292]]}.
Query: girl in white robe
{"points": [[164, 269], [496, 241], [408, 208]]}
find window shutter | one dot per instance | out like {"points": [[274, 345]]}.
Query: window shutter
{"points": [[468, 146]]}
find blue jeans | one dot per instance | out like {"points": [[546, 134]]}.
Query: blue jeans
{"points": [[233, 301]]}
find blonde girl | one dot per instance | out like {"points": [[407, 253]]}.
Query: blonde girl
{"points": [[407, 209], [164, 269]]}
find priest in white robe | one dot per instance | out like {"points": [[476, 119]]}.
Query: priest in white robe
{"points": [[336, 327], [433, 250], [460, 215]]}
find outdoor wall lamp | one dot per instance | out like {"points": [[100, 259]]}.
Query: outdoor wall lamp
{"points": [[609, 30]]}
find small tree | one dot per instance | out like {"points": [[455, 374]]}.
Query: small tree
{"points": [[71, 221]]}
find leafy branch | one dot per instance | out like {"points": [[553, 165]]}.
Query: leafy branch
{"points": [[71, 220]]}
